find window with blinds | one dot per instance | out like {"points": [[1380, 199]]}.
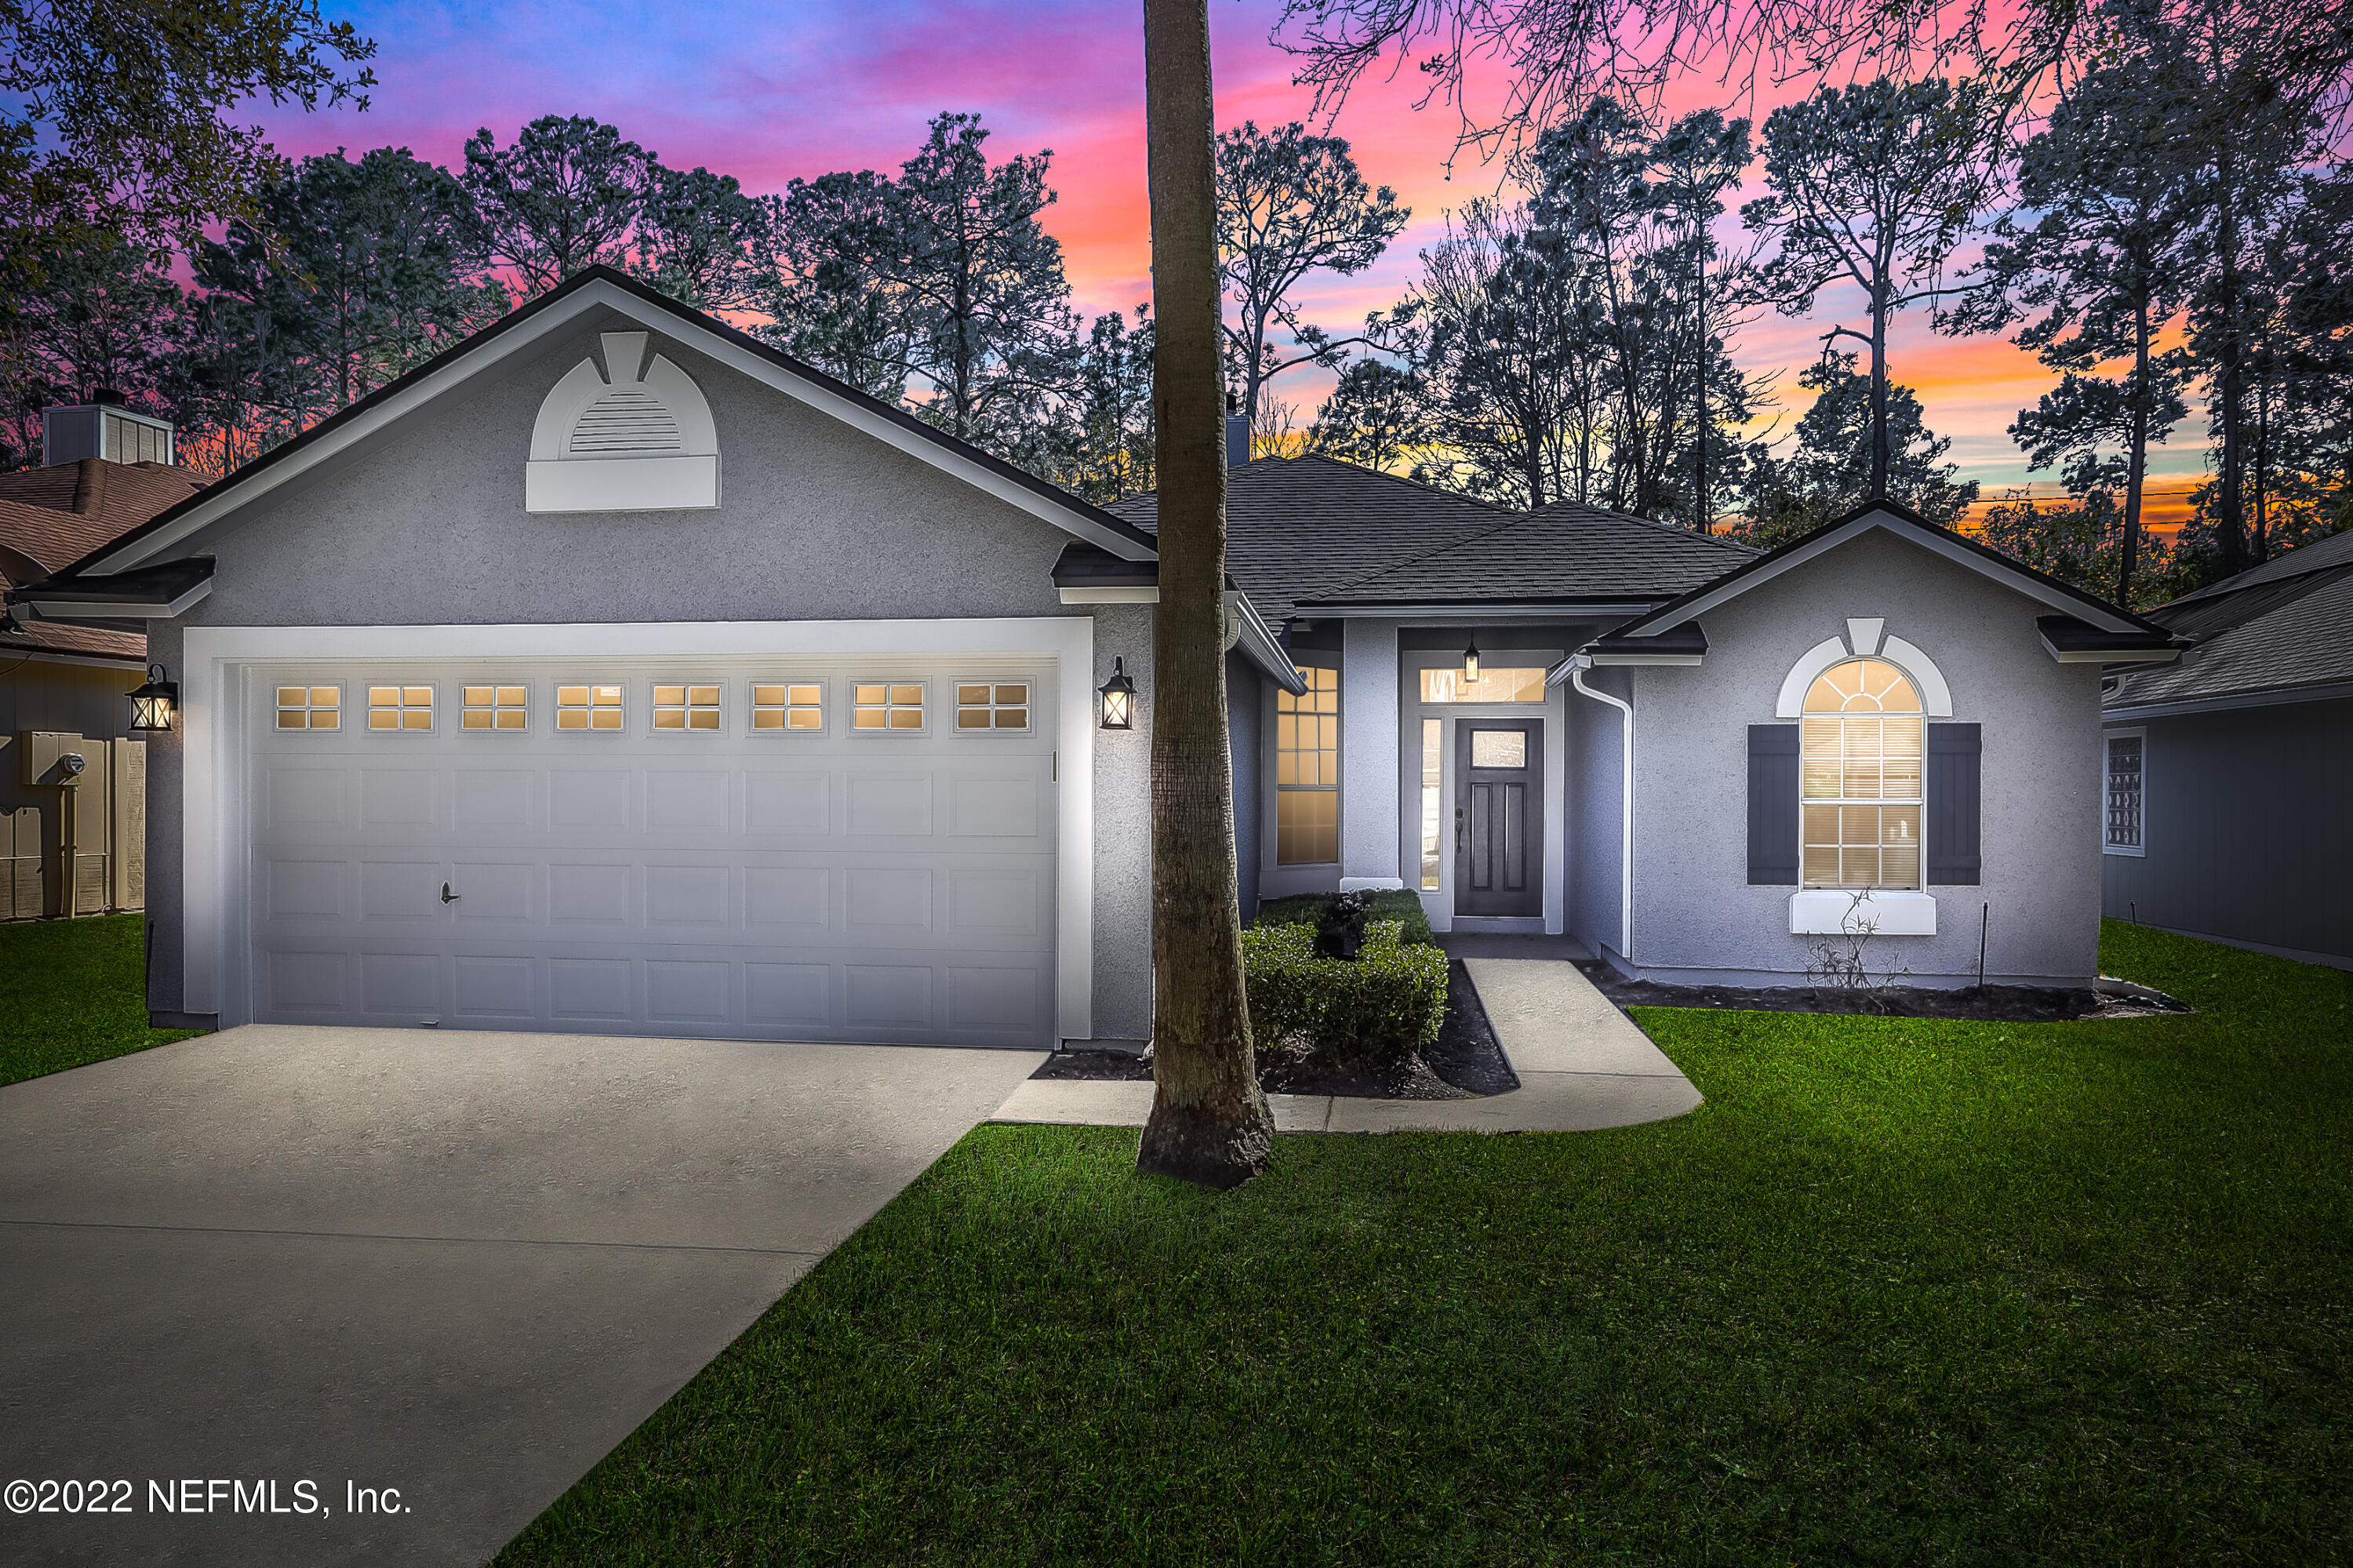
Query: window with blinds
{"points": [[1863, 735], [1307, 771]]}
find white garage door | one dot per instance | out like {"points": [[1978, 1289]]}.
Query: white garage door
{"points": [[796, 849]]}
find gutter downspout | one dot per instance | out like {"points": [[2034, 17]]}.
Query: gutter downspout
{"points": [[1578, 666]]}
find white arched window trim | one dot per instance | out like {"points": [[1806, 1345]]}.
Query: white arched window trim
{"points": [[1936, 696], [681, 476]]}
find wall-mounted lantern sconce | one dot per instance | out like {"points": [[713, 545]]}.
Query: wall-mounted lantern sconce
{"points": [[1118, 698], [1470, 662], [151, 704]]}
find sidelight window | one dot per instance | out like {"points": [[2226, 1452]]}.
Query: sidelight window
{"points": [[1307, 771], [1862, 739]]}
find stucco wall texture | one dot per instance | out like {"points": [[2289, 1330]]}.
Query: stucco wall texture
{"points": [[1696, 918], [423, 523]]}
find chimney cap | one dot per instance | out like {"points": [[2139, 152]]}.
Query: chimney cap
{"points": [[108, 395]]}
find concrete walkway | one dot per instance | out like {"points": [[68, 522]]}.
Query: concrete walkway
{"points": [[461, 1265], [1583, 1066]]}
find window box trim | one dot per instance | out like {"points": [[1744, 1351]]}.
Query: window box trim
{"points": [[1832, 911]]}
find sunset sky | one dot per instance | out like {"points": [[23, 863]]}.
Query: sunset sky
{"points": [[770, 92]]}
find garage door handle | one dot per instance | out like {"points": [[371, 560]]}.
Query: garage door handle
{"points": [[447, 896]]}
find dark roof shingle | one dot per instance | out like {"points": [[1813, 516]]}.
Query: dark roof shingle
{"points": [[1312, 531]]}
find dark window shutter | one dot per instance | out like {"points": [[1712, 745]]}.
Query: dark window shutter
{"points": [[1953, 754], [1773, 805]]}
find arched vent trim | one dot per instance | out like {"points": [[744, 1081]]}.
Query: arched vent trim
{"points": [[627, 420]]}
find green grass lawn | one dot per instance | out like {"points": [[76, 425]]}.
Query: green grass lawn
{"points": [[1902, 1291], [73, 992]]}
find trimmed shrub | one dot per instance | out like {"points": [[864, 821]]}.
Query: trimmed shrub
{"points": [[1375, 1010], [1396, 904]]}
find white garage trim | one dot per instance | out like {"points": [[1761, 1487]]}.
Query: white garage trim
{"points": [[215, 826]]}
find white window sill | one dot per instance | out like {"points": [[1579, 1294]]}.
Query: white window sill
{"points": [[1889, 912]]}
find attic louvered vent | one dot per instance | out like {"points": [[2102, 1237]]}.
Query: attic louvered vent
{"points": [[625, 420], [633, 436]]}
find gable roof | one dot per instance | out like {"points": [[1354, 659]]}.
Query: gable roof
{"points": [[2283, 628], [1313, 533], [584, 292], [2128, 630]]}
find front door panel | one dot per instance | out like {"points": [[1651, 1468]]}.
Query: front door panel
{"points": [[1499, 817]]}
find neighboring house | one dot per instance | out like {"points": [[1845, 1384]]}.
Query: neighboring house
{"points": [[62, 685], [2228, 775], [616, 673]]}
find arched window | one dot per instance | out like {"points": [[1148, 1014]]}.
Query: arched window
{"points": [[1863, 736]]}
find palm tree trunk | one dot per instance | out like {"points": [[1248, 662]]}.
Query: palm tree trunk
{"points": [[1209, 1123], [2136, 470]]}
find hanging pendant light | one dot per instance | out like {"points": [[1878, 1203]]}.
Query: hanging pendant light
{"points": [[1470, 662]]}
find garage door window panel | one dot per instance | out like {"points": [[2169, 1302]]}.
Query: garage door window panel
{"points": [[788, 707], [400, 709], [686, 709], [500, 709], [993, 707], [311, 707], [594, 709], [887, 707]]}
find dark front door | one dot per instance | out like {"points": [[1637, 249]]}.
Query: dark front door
{"points": [[1499, 817]]}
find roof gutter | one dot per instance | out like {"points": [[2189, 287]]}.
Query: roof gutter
{"points": [[1573, 669], [1260, 644]]}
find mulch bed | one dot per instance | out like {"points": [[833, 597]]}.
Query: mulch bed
{"points": [[1464, 1062], [1990, 1005]]}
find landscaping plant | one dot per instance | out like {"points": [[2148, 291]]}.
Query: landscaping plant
{"points": [[1373, 1011]]}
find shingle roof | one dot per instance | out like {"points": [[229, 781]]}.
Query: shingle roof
{"points": [[1565, 551], [2307, 642], [2286, 624], [1309, 531], [59, 514], [2337, 550], [55, 515]]}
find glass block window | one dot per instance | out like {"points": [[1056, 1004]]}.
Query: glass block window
{"points": [[400, 708], [2126, 756], [678, 709], [1433, 801], [1446, 685], [1307, 771], [309, 707], [588, 707], [1861, 766], [495, 707], [897, 707], [799, 705], [999, 705]]}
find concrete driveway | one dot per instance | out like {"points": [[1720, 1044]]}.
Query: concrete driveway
{"points": [[459, 1266]]}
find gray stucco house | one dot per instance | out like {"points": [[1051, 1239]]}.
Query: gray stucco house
{"points": [[2229, 773], [615, 672]]}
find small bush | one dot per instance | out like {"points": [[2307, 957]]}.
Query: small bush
{"points": [[1400, 904], [1375, 1009]]}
